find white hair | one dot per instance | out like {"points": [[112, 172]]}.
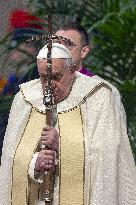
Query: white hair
{"points": [[68, 62]]}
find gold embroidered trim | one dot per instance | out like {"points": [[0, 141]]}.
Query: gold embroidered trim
{"points": [[91, 92], [16, 150], [84, 154], [24, 151], [72, 159]]}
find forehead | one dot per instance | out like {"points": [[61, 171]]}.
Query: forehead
{"points": [[73, 35], [58, 65]]}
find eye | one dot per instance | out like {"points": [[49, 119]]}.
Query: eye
{"points": [[57, 77]]}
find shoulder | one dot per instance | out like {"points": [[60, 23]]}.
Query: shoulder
{"points": [[96, 85], [30, 90], [115, 91], [92, 84], [105, 85], [30, 84], [27, 90], [106, 88]]}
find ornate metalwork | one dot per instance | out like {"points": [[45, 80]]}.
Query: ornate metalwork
{"points": [[53, 37]]}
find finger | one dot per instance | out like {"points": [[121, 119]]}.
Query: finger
{"points": [[44, 138], [40, 166], [43, 167], [48, 167], [47, 128], [42, 153], [45, 159], [48, 157], [46, 164], [45, 132], [49, 163], [48, 152], [45, 145]]}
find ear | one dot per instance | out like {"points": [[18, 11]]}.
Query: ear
{"points": [[73, 69], [84, 52]]}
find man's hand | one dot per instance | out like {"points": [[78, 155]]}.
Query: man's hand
{"points": [[46, 157], [50, 138], [45, 160]]}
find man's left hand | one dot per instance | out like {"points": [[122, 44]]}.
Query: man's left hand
{"points": [[50, 138]]}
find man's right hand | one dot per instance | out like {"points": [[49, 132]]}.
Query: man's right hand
{"points": [[45, 160]]}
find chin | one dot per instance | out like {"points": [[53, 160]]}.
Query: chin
{"points": [[57, 99]]}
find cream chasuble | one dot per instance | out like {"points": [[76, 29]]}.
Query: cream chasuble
{"points": [[25, 149], [24, 191], [96, 166]]}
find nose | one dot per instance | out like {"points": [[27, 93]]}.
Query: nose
{"points": [[53, 85]]}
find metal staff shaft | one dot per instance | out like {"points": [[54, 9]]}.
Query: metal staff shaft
{"points": [[47, 187]]}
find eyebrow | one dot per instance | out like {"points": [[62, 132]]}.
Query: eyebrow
{"points": [[54, 74], [65, 43]]}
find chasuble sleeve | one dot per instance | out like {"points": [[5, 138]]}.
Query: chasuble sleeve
{"points": [[126, 171], [18, 117], [113, 172]]}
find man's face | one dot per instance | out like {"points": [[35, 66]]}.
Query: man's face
{"points": [[62, 78], [74, 36]]}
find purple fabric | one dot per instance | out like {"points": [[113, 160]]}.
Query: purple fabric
{"points": [[86, 72]]}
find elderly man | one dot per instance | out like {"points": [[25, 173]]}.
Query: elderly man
{"points": [[96, 165]]}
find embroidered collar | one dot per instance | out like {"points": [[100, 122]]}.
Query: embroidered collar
{"points": [[82, 86]]}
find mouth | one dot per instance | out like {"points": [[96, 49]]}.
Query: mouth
{"points": [[55, 93]]}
